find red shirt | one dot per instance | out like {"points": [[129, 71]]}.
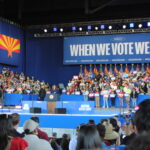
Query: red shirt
{"points": [[18, 143], [43, 135]]}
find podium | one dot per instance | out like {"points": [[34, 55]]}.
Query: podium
{"points": [[51, 102], [52, 97]]}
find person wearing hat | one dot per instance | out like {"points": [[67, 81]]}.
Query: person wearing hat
{"points": [[110, 134], [35, 143], [41, 134]]}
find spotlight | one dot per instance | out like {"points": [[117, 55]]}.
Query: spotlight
{"points": [[109, 27], [61, 29], [73, 28], [140, 25], [89, 27], [80, 28], [102, 27], [96, 28], [124, 26], [131, 25], [55, 29], [148, 24], [45, 30]]}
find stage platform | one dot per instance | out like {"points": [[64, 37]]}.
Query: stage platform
{"points": [[64, 123], [67, 120]]}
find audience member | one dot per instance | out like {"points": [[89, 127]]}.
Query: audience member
{"points": [[7, 141], [41, 134], [73, 141], [88, 138], [141, 142], [65, 142], [16, 122], [42, 93], [110, 135], [101, 130], [141, 118], [35, 143]]}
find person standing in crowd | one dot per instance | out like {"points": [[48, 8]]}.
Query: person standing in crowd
{"points": [[41, 134], [42, 93], [85, 94], [101, 130], [1, 96], [141, 142], [112, 97], [127, 92], [141, 118], [16, 122], [65, 142], [97, 98], [141, 121], [7, 141], [35, 143], [134, 96], [88, 138], [143, 88], [73, 141], [121, 98], [105, 94]]}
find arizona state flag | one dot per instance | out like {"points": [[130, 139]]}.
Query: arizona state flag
{"points": [[127, 69], [9, 44], [148, 69], [86, 71], [137, 68], [116, 70], [106, 70], [95, 70]]}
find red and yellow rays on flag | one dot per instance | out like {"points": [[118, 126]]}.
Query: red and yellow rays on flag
{"points": [[9, 44]]}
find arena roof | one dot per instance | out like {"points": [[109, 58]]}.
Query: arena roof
{"points": [[37, 12]]}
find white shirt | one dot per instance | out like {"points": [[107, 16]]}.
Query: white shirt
{"points": [[73, 143], [34, 143]]}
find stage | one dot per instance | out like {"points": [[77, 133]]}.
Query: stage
{"points": [[64, 123]]}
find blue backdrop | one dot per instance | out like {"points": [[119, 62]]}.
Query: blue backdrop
{"points": [[44, 60], [107, 49]]}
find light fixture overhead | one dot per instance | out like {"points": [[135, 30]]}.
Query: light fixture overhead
{"points": [[96, 28], [73, 28], [102, 26], [45, 30], [140, 25], [80, 28], [61, 29], [124, 26], [89, 27], [109, 27], [132, 25], [55, 29], [148, 24]]}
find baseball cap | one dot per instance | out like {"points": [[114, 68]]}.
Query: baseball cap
{"points": [[30, 125]]}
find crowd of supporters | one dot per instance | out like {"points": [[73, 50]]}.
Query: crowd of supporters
{"points": [[128, 131], [127, 84], [14, 82]]}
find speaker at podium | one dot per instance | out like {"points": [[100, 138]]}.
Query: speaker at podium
{"points": [[52, 97]]}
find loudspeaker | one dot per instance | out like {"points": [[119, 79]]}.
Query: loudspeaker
{"points": [[35, 110], [60, 110]]}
